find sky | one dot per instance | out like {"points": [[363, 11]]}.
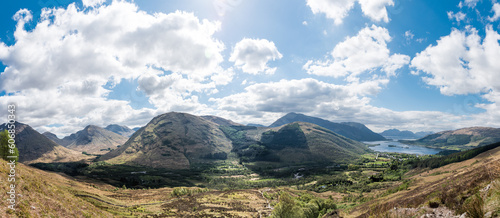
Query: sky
{"points": [[413, 65]]}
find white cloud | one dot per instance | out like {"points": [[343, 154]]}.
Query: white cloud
{"points": [[364, 52], [265, 102], [57, 71], [459, 16], [376, 9], [304, 23], [92, 3], [339, 9], [470, 3], [496, 11], [252, 55], [409, 35], [462, 63]]}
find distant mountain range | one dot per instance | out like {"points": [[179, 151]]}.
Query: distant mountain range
{"points": [[34, 147], [121, 130], [352, 130], [461, 139], [397, 134], [92, 139]]}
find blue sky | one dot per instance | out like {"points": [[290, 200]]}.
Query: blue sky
{"points": [[407, 64]]}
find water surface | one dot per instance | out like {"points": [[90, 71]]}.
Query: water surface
{"points": [[398, 147]]}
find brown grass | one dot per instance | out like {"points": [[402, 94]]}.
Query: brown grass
{"points": [[449, 186]]}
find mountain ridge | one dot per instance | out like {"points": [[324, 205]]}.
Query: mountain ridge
{"points": [[460, 139], [352, 130], [93, 140], [34, 147]]}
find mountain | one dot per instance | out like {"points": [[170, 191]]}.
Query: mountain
{"points": [[136, 128], [423, 134], [173, 140], [256, 125], [121, 130], [34, 147], [53, 137], [301, 142], [221, 121], [356, 131], [93, 140], [461, 139], [397, 134]]}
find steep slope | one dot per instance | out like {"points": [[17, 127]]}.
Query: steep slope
{"points": [[34, 147], [93, 140], [461, 139], [45, 194], [120, 130], [173, 140], [356, 131], [221, 121], [298, 143]]}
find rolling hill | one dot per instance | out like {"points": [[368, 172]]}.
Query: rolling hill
{"points": [[461, 139], [173, 140], [34, 147], [352, 130], [93, 140]]}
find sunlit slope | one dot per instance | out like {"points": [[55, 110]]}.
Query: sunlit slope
{"points": [[173, 140]]}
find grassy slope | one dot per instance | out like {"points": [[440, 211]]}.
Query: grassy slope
{"points": [[172, 140], [449, 185], [41, 194]]}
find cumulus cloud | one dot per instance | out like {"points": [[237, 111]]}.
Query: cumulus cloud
{"points": [[464, 63], [252, 55], [339, 9], [496, 11], [376, 9], [364, 52], [71, 54]]}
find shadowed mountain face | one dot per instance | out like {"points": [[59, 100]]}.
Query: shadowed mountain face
{"points": [[461, 139], [121, 130], [295, 143], [352, 130], [34, 147], [173, 140], [93, 140]]}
